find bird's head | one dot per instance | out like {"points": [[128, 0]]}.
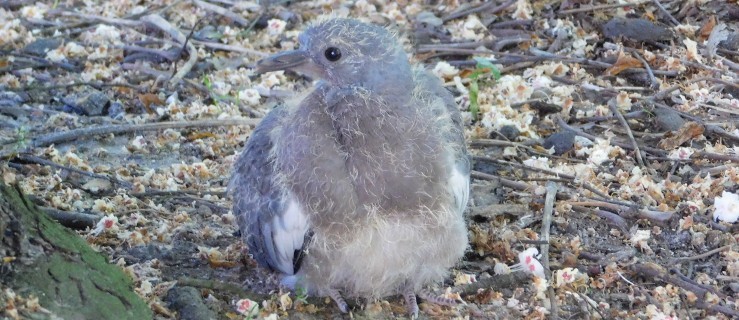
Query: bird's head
{"points": [[346, 52]]}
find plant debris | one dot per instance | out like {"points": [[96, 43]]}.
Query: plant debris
{"points": [[131, 114]]}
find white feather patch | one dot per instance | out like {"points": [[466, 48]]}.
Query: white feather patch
{"points": [[288, 234], [459, 184]]}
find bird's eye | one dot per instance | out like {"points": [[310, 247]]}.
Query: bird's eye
{"points": [[333, 54]]}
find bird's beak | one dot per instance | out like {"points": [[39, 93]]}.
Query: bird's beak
{"points": [[282, 61]]}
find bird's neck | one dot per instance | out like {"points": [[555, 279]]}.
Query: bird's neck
{"points": [[368, 120], [392, 79]]}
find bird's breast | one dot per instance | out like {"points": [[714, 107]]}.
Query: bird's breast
{"points": [[364, 167]]}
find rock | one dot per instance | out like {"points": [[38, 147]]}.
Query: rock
{"points": [[429, 18], [116, 110], [541, 93], [70, 279], [487, 167], [40, 47], [262, 22], [90, 103], [731, 43], [636, 29], [208, 33], [561, 141], [732, 91], [483, 194], [427, 27], [640, 79], [668, 119], [189, 304], [509, 132], [594, 96], [145, 253], [10, 99], [545, 108]]}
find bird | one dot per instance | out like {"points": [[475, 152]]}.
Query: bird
{"points": [[357, 187]]}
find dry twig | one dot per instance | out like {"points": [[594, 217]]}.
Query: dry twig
{"points": [[653, 215], [485, 7], [87, 132], [222, 11], [546, 223], [625, 124], [175, 33], [600, 7]]}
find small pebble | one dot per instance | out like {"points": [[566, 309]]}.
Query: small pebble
{"points": [[561, 141]]}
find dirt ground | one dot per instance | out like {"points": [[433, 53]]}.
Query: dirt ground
{"points": [[603, 134]]}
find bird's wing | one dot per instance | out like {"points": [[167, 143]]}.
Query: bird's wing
{"points": [[272, 221], [449, 123], [460, 177]]}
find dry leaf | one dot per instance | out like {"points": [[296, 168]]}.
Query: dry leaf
{"points": [[148, 99], [706, 29], [523, 10], [216, 263], [286, 302], [625, 61], [465, 73], [200, 135], [692, 47], [687, 132], [9, 177], [162, 310], [97, 185]]}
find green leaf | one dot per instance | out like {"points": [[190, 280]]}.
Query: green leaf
{"points": [[474, 106], [301, 294], [485, 66], [483, 63]]}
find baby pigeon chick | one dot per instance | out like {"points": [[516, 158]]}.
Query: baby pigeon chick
{"points": [[358, 187]]}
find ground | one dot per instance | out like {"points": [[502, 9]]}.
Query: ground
{"points": [[603, 133]]}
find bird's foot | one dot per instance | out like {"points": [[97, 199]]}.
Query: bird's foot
{"points": [[410, 302], [435, 299], [340, 302]]}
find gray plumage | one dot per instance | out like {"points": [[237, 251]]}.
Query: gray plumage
{"points": [[359, 186]]}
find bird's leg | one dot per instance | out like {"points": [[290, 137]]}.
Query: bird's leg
{"points": [[340, 302], [410, 302], [430, 297]]}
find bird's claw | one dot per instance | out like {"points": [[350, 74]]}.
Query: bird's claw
{"points": [[340, 302], [430, 297], [410, 303]]}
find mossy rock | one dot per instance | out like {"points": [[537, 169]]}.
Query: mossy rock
{"points": [[56, 265]]}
